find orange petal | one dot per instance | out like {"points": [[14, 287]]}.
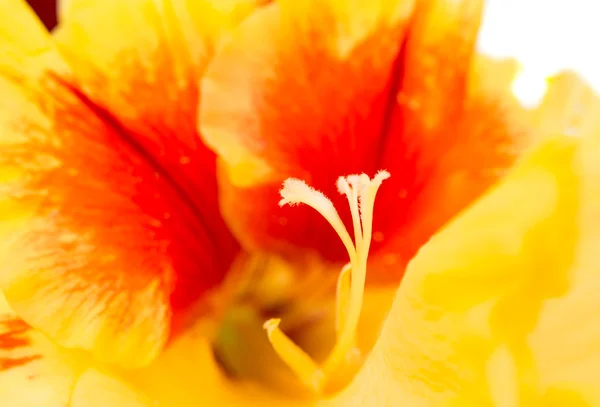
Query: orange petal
{"points": [[277, 104], [111, 225], [438, 54], [339, 88], [456, 133]]}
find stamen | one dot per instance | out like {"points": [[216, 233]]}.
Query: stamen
{"points": [[296, 191], [361, 192], [366, 202], [342, 298], [346, 338], [351, 186], [298, 360]]}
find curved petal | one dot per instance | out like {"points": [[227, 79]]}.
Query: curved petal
{"points": [[344, 87], [33, 371], [475, 291], [499, 307], [110, 224]]}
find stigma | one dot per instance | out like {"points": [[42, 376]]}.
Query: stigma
{"points": [[360, 191]]}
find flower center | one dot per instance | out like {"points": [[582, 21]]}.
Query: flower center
{"points": [[260, 286], [361, 192]]}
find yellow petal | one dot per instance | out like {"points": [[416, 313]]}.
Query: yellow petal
{"points": [[63, 7], [566, 343], [36, 372], [33, 371], [187, 375], [493, 75], [491, 83], [5, 309], [458, 327], [571, 396], [144, 30], [569, 107], [22, 34], [96, 388]]}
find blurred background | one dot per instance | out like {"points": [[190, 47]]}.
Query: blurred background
{"points": [[546, 36]]}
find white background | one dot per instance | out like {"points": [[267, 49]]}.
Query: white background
{"points": [[545, 35]]}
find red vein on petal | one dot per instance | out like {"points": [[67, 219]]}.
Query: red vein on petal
{"points": [[12, 338]]}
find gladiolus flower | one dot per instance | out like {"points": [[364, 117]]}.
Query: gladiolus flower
{"points": [[145, 145]]}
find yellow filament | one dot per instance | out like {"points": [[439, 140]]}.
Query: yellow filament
{"points": [[298, 360], [342, 298], [367, 204], [346, 339], [351, 188], [361, 192]]}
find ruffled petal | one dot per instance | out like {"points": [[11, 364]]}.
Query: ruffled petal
{"points": [[500, 306], [348, 87], [110, 223]]}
